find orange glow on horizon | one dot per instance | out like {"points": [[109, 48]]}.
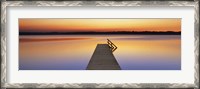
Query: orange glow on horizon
{"points": [[98, 25]]}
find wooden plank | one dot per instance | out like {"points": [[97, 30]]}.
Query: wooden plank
{"points": [[103, 59]]}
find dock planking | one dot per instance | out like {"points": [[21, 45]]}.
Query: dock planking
{"points": [[103, 59]]}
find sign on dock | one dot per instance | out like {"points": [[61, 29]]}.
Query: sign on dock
{"points": [[103, 58]]}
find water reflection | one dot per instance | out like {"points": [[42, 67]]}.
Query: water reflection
{"points": [[48, 39], [73, 52]]}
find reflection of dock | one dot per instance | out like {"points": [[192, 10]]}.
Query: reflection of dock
{"points": [[103, 58]]}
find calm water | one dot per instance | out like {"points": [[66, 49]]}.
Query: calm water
{"points": [[73, 52]]}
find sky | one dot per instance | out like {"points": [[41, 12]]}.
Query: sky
{"points": [[97, 25]]}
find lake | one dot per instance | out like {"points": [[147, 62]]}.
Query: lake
{"points": [[73, 52]]}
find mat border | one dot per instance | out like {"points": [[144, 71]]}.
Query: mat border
{"points": [[5, 4]]}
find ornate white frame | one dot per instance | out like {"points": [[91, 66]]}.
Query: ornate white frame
{"points": [[6, 4]]}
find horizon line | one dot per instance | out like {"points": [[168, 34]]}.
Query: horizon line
{"points": [[90, 31]]}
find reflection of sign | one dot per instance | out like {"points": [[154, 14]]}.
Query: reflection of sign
{"points": [[112, 46]]}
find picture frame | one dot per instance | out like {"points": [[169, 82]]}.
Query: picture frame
{"points": [[4, 38]]}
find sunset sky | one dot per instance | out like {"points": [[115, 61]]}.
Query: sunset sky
{"points": [[98, 25]]}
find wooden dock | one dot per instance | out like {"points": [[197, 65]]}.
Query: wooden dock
{"points": [[103, 58]]}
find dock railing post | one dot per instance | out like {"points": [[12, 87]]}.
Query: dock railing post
{"points": [[112, 46]]}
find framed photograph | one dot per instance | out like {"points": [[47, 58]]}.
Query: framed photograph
{"points": [[100, 44]]}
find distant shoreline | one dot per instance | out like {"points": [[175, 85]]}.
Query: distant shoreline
{"points": [[100, 33]]}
